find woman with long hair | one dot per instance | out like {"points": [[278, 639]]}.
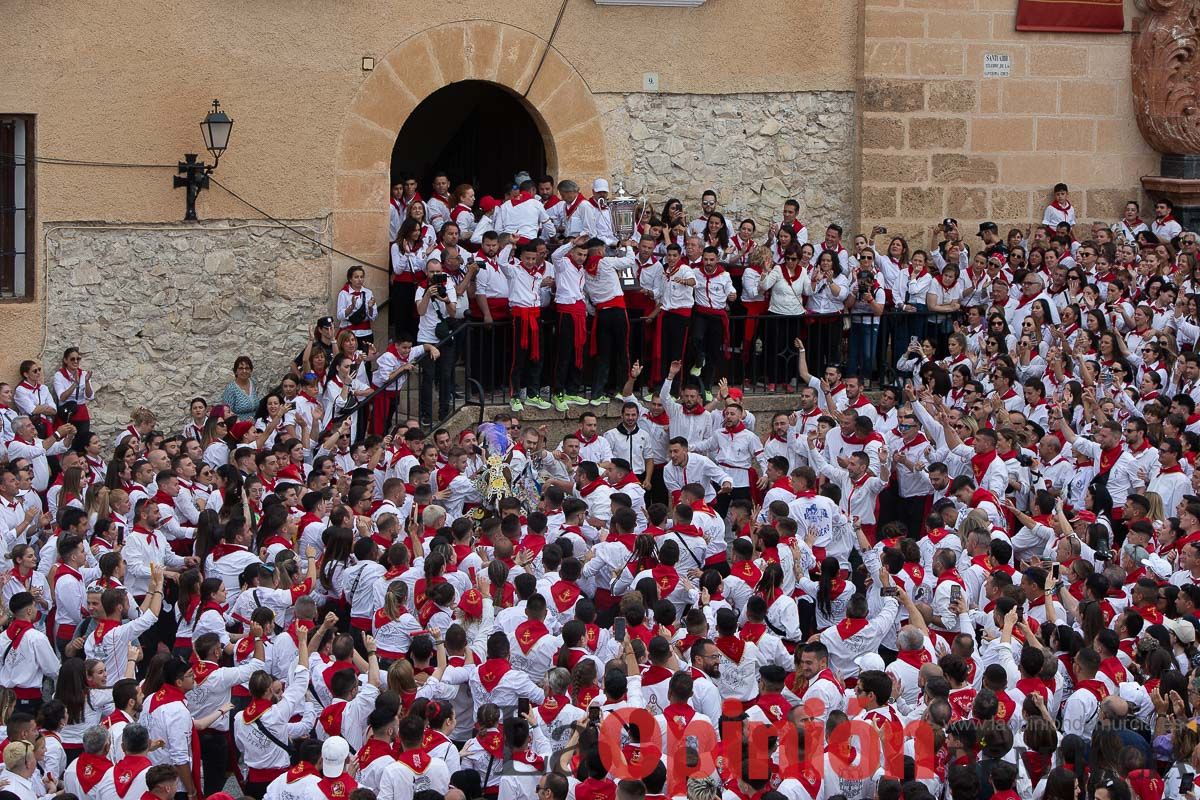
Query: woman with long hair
{"points": [[826, 295], [830, 592], [24, 577], [414, 242], [716, 234], [70, 492], [228, 497], [338, 545], [187, 610], [80, 687], [787, 285], [91, 448], [394, 625], [95, 504], [215, 442], [782, 614], [210, 617]]}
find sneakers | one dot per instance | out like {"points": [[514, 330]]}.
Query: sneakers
{"points": [[560, 402], [516, 405], [694, 372], [602, 400], [648, 397], [538, 403], [575, 400], [708, 396], [770, 388]]}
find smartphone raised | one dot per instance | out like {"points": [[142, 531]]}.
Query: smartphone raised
{"points": [[523, 706], [619, 629], [594, 715], [955, 592]]}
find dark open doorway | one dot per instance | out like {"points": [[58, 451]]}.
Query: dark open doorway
{"points": [[476, 132]]}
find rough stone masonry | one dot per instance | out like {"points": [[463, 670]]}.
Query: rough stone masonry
{"points": [[161, 311], [756, 150]]}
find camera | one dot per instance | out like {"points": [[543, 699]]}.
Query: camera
{"points": [[437, 284], [1024, 460]]}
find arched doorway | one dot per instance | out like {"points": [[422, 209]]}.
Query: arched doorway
{"points": [[476, 132]]}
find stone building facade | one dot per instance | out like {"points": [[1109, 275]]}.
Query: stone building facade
{"points": [[883, 117]]}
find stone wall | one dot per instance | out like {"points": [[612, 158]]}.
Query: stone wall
{"points": [[941, 139], [755, 150], [160, 312]]}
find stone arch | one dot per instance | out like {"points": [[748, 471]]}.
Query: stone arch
{"points": [[557, 98]]}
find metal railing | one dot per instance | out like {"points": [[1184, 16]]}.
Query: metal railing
{"points": [[476, 368]]}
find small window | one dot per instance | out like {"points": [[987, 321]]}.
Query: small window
{"points": [[16, 207]]}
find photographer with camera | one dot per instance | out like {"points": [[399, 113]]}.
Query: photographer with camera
{"points": [[436, 305], [865, 304]]}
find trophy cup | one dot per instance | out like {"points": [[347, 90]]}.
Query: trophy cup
{"points": [[622, 211]]}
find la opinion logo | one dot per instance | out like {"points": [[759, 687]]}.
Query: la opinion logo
{"points": [[856, 748]]}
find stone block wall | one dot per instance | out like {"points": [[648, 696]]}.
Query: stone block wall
{"points": [[161, 311], [755, 150], [941, 139]]}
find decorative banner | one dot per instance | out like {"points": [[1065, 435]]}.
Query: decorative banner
{"points": [[1075, 16]]}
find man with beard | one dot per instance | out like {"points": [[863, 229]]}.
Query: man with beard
{"points": [[705, 671]]}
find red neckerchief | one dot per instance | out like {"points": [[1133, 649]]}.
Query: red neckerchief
{"points": [[202, 669], [125, 770], [666, 578], [225, 548], [628, 480], [103, 626], [980, 463], [150, 535], [1062, 208], [373, 750], [298, 625], [258, 706], [492, 743], [1108, 458], [91, 769], [446, 475], [661, 418], [565, 594], [734, 431], [591, 487], [169, 693], [1097, 688], [491, 671], [850, 626], [695, 410], [915, 658], [19, 577], [528, 634], [747, 571], [17, 629], [732, 646], [336, 788], [753, 631], [774, 705], [552, 706], [950, 575]]}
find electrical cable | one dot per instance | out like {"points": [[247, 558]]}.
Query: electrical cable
{"points": [[51, 160], [299, 233], [546, 50]]}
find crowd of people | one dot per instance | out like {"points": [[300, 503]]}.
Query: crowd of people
{"points": [[981, 582]]}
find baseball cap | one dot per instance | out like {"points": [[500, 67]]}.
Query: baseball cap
{"points": [[1159, 566], [869, 661], [600, 185], [488, 204], [1084, 516], [1184, 631], [986, 226], [334, 753]]}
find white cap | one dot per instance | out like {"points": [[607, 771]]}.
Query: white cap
{"points": [[600, 185], [334, 753], [1158, 565], [869, 661]]}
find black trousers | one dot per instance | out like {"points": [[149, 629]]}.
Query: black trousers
{"points": [[526, 371], [214, 760], [658, 487], [675, 329], [723, 501], [568, 378], [440, 372], [402, 309], [708, 343], [638, 340], [612, 349], [779, 336]]}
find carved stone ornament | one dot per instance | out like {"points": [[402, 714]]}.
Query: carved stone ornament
{"points": [[1166, 75]]}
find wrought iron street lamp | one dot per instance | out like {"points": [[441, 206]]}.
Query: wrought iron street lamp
{"points": [[193, 174]]}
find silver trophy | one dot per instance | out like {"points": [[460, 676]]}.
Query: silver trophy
{"points": [[623, 212]]}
